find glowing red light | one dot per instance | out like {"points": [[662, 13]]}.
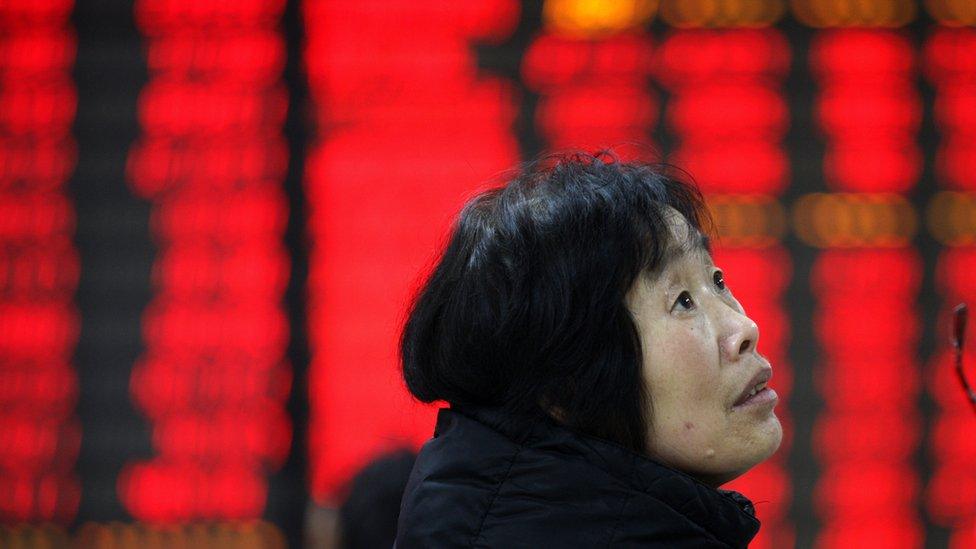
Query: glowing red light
{"points": [[38, 163], [552, 61], [410, 127], [253, 57], [723, 111], [213, 380], [594, 117], [951, 492], [863, 383], [594, 92], [878, 274], [39, 269], [159, 17], [28, 109], [174, 492], [690, 58], [743, 166], [876, 436], [900, 529], [952, 71], [159, 164], [841, 493], [869, 111], [948, 55], [861, 56]]}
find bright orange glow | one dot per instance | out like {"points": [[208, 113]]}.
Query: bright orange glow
{"points": [[952, 13], [951, 218], [257, 534], [854, 220], [595, 18], [753, 221], [34, 535], [687, 14], [854, 13]]}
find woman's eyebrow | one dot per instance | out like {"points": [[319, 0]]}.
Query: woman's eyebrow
{"points": [[696, 242]]}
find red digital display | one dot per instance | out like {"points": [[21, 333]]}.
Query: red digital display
{"points": [[869, 381], [408, 129], [869, 112], [951, 493], [39, 267], [213, 379], [727, 107], [407, 119], [950, 67], [593, 93], [729, 115]]}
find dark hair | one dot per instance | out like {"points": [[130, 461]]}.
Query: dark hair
{"points": [[526, 308], [368, 516]]}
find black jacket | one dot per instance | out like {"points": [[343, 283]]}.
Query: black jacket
{"points": [[485, 480]]}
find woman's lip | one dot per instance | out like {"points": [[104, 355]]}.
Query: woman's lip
{"points": [[763, 398], [763, 376]]}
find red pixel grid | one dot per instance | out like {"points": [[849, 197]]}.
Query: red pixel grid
{"points": [[869, 112], [594, 94], [407, 130], [39, 267], [213, 379], [951, 493]]}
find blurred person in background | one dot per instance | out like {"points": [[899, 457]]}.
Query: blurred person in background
{"points": [[367, 518], [603, 381]]}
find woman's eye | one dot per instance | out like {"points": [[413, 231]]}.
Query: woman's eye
{"points": [[719, 279], [684, 301]]}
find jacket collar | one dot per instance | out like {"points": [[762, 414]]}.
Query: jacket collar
{"points": [[726, 514]]}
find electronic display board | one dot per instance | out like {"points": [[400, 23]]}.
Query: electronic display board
{"points": [[214, 214]]}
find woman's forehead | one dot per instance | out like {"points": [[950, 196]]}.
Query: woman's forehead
{"points": [[681, 231], [678, 259], [684, 240], [685, 258]]}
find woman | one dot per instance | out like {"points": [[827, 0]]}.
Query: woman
{"points": [[603, 381]]}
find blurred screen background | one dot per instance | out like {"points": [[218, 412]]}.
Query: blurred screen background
{"points": [[214, 213]]}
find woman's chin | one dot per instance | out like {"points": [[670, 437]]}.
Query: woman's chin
{"points": [[740, 461]]}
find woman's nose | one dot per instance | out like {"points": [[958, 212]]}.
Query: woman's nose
{"points": [[743, 335]]}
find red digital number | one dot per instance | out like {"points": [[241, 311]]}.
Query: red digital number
{"points": [[39, 435], [213, 380]]}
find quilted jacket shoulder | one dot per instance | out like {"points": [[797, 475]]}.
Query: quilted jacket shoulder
{"points": [[489, 480]]}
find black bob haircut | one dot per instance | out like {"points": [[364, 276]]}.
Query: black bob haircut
{"points": [[526, 309]]}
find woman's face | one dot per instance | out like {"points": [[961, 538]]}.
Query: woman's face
{"points": [[699, 358]]}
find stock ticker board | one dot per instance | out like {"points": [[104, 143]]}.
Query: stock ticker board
{"points": [[213, 215]]}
